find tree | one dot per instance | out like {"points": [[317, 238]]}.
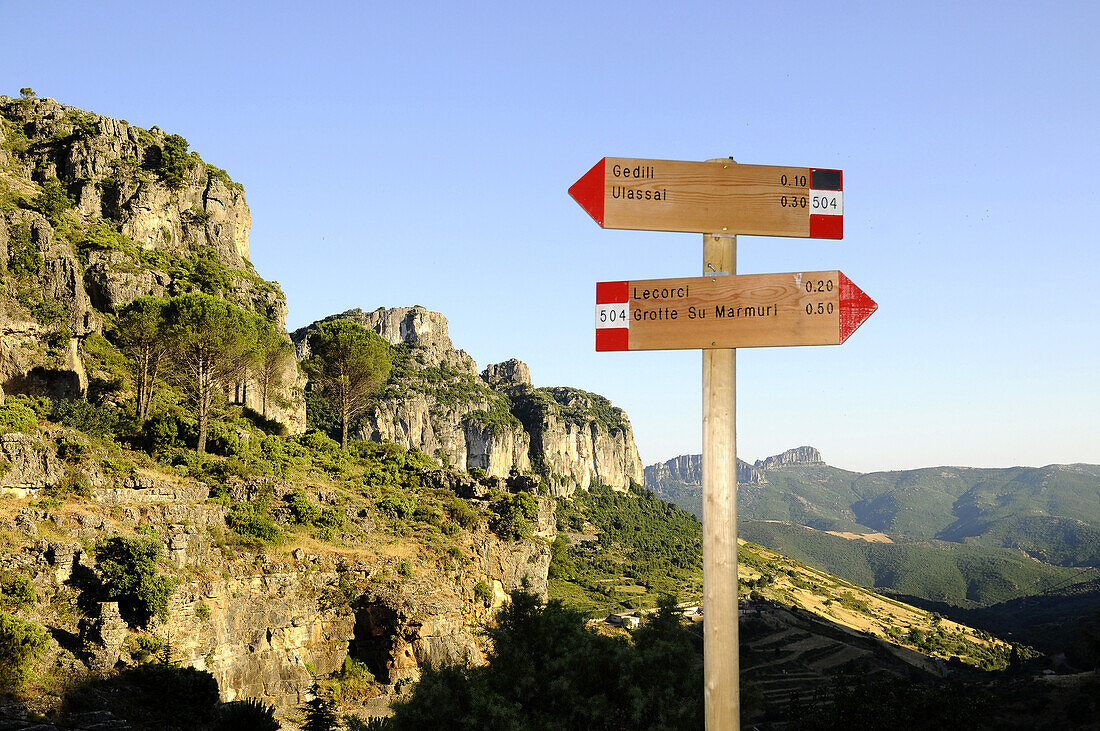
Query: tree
{"points": [[319, 713], [274, 353], [174, 162], [21, 644], [143, 336], [213, 346], [349, 363], [27, 93], [128, 570]]}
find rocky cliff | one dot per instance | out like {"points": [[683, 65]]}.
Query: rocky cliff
{"points": [[687, 469], [264, 624], [435, 401], [95, 212], [796, 456]]}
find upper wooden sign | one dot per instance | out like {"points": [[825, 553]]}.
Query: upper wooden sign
{"points": [[740, 311], [713, 197]]}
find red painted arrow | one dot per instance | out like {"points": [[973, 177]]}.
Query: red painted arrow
{"points": [[855, 306], [588, 191]]}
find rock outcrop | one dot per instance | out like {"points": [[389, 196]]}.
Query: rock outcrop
{"points": [[95, 212], [796, 456], [687, 469], [499, 422], [264, 625]]}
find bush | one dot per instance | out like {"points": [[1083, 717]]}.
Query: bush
{"points": [[128, 571], [515, 516], [21, 644], [223, 439], [483, 593], [304, 511], [72, 482], [96, 421], [398, 503], [72, 450], [251, 714], [143, 646], [252, 521], [17, 591], [52, 202], [183, 697], [331, 520], [464, 513], [16, 415]]}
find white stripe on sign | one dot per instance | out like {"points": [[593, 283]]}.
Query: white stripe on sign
{"points": [[829, 202], [616, 314]]}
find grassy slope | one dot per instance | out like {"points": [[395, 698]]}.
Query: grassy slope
{"points": [[608, 576]]}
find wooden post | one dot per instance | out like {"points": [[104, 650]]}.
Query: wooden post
{"points": [[720, 645]]}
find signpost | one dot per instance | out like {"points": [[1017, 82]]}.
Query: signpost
{"points": [[739, 311], [718, 313], [713, 197]]}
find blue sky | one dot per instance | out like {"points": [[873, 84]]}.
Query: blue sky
{"points": [[419, 153]]}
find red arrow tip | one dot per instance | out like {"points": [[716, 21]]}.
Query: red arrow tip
{"points": [[855, 306], [588, 191]]}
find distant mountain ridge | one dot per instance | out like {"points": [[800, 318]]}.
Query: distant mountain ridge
{"points": [[1052, 512]]}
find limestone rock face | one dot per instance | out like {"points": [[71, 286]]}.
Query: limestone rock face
{"points": [[796, 456], [510, 374], [33, 463], [105, 218], [578, 437], [435, 402], [687, 469], [416, 328]]}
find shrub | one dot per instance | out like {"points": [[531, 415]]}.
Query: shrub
{"points": [[72, 482], [331, 520], [128, 571], [144, 646], [72, 450], [464, 513], [252, 521], [223, 439], [515, 515], [251, 714], [53, 201], [183, 697], [483, 592], [96, 421], [304, 511], [17, 415], [398, 503], [21, 644], [17, 591]]}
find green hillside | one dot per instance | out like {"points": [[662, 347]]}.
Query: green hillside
{"points": [[962, 575], [1052, 513]]}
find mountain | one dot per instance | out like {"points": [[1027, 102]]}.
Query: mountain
{"points": [[96, 212], [1051, 512], [275, 559], [496, 421]]}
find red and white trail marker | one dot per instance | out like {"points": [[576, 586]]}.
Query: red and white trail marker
{"points": [[740, 311], [713, 197]]}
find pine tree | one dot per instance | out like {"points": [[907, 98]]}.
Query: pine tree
{"points": [[319, 713]]}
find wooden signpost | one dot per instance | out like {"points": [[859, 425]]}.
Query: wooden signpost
{"points": [[739, 311], [718, 313], [713, 197]]}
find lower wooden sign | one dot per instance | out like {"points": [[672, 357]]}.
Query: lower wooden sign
{"points": [[740, 311]]}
